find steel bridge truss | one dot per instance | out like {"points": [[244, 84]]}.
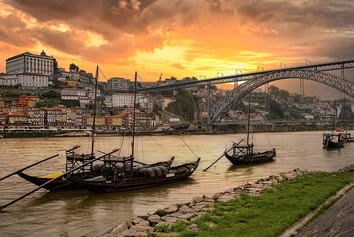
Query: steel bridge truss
{"points": [[246, 77], [219, 108]]}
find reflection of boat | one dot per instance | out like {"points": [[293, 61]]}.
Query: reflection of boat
{"points": [[331, 140], [123, 175]]}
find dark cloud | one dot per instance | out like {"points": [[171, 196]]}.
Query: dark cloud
{"points": [[327, 14], [13, 31], [317, 27]]}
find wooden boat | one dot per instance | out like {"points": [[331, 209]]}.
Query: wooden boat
{"points": [[73, 160], [244, 154], [57, 185], [143, 179], [347, 137], [123, 175], [331, 140], [62, 184]]}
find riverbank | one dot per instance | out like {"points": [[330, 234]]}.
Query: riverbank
{"points": [[30, 133], [265, 207]]}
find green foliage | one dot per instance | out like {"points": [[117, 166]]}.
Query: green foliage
{"points": [[183, 98], [10, 94], [270, 213], [74, 67], [50, 95], [273, 90], [275, 110], [48, 104], [60, 84], [70, 103]]}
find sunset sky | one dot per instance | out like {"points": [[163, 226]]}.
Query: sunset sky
{"points": [[178, 37]]}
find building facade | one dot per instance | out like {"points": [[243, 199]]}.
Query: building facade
{"points": [[32, 63], [28, 100], [26, 80], [73, 94], [117, 84], [120, 100]]}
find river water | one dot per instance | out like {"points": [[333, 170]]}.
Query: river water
{"points": [[78, 213]]}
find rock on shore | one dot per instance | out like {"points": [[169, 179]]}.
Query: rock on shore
{"points": [[199, 206]]}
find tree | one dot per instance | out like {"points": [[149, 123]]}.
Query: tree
{"points": [[273, 90], [74, 68], [284, 94], [50, 94]]}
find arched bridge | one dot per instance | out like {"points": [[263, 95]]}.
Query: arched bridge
{"points": [[218, 109], [251, 81]]}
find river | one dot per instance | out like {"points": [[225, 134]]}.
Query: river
{"points": [[78, 213]]}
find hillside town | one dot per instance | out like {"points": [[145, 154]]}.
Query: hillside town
{"points": [[36, 93]]}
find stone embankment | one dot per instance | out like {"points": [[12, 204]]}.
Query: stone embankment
{"points": [[190, 211]]}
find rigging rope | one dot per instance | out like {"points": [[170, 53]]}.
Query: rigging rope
{"points": [[121, 144], [142, 148], [188, 146], [102, 73], [160, 146], [268, 139]]}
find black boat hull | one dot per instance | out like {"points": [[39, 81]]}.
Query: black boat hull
{"points": [[333, 144], [134, 183], [64, 184], [252, 159], [56, 185]]}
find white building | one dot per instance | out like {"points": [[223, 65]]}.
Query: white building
{"points": [[27, 80], [32, 63], [72, 94], [127, 99]]}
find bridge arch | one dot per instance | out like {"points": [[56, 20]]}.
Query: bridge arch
{"points": [[218, 109]]}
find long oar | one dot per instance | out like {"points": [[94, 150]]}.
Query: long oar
{"points": [[226, 151], [48, 182], [34, 164]]}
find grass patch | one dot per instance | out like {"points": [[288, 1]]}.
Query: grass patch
{"points": [[274, 210]]}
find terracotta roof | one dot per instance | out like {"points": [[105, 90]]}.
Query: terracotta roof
{"points": [[17, 114]]}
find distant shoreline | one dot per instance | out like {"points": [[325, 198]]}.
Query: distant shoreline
{"points": [[30, 133]]}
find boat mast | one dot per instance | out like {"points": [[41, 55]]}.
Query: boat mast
{"points": [[334, 116], [131, 167], [94, 114], [249, 117]]}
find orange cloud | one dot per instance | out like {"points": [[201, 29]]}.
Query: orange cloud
{"points": [[177, 37]]}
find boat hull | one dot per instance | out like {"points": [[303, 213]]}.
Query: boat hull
{"points": [[126, 184], [333, 144], [64, 184], [56, 185], [252, 159]]}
